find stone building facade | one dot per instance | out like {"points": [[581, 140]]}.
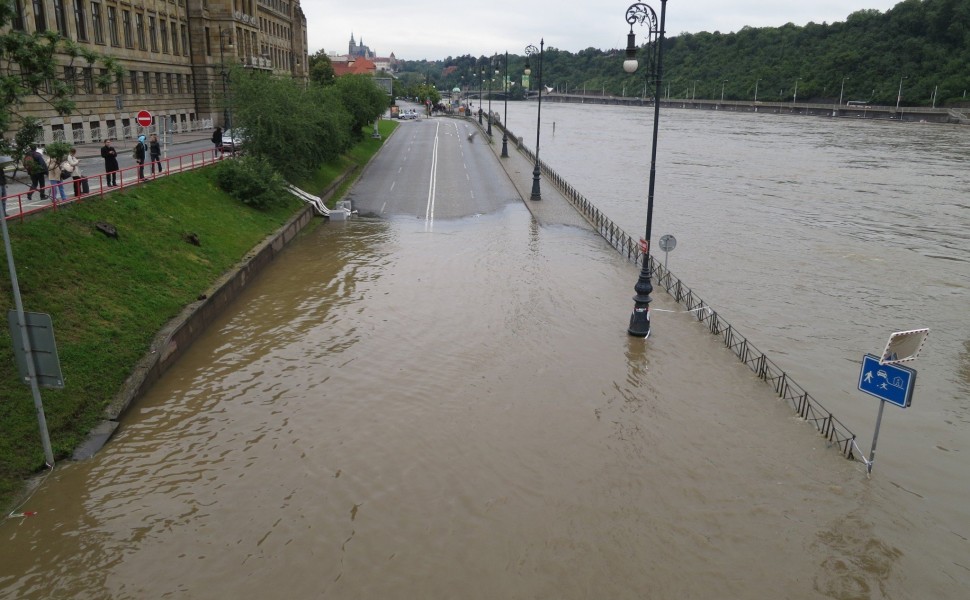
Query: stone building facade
{"points": [[176, 55]]}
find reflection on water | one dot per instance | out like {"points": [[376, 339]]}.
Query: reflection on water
{"points": [[392, 413]]}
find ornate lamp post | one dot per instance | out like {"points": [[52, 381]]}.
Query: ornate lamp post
{"points": [[481, 82], [529, 51], [642, 13], [505, 118], [490, 79]]}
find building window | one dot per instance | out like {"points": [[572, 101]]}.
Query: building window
{"points": [[185, 40], [104, 81], [126, 26], [18, 17], [133, 77], [164, 33], [178, 83], [168, 83], [97, 23], [152, 33], [175, 38], [40, 19], [140, 32], [158, 83], [113, 25], [147, 80], [60, 20], [80, 20], [87, 80], [70, 79]]}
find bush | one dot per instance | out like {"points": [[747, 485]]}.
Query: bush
{"points": [[252, 181]]}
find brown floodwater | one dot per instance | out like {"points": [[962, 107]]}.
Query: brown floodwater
{"points": [[390, 412]]}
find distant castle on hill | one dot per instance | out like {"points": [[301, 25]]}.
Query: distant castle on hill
{"points": [[354, 49]]}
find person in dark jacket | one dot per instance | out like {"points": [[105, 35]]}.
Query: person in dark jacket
{"points": [[155, 151], [110, 156], [140, 152], [37, 169], [216, 142]]}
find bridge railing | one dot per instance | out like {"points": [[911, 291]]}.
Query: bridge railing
{"points": [[804, 404]]}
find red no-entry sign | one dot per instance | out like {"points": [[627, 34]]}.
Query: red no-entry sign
{"points": [[144, 118]]}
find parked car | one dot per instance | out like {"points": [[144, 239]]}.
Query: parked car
{"points": [[233, 140]]}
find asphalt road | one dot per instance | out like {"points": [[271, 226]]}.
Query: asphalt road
{"points": [[433, 168]]}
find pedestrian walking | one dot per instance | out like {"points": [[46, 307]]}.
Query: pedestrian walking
{"points": [[217, 142], [57, 178], [139, 153], [72, 166], [36, 167], [155, 151], [110, 156]]}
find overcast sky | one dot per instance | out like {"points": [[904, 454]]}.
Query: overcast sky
{"points": [[417, 29]]}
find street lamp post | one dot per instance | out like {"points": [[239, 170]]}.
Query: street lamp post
{"points": [[227, 109], [505, 118], [529, 51], [722, 90], [642, 13], [490, 79], [481, 82], [794, 99], [756, 82]]}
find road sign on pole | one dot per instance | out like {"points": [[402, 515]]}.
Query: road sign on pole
{"points": [[891, 383], [144, 118]]}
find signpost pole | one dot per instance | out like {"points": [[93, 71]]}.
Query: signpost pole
{"points": [[875, 438], [25, 340]]}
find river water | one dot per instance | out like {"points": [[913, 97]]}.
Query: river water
{"points": [[390, 412]]}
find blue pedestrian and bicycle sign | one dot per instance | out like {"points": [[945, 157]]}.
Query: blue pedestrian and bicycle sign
{"points": [[891, 383]]}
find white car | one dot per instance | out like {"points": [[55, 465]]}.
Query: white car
{"points": [[233, 139]]}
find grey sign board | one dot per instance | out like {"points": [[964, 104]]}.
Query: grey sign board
{"points": [[43, 349]]}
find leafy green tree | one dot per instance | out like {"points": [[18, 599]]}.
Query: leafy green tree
{"points": [[293, 127], [321, 68], [362, 97]]}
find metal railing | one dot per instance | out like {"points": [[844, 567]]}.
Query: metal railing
{"points": [[24, 207], [805, 406]]}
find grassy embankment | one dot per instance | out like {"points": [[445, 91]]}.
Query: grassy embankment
{"points": [[108, 297]]}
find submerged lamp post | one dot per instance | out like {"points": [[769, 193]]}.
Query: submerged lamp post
{"points": [[505, 118], [529, 51], [642, 13]]}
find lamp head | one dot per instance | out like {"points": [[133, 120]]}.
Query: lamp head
{"points": [[630, 64]]}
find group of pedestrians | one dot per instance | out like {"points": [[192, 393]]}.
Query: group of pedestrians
{"points": [[58, 172], [144, 148], [42, 169]]}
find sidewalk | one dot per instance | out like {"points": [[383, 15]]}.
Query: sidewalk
{"points": [[553, 208]]}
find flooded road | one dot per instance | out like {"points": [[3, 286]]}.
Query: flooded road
{"points": [[392, 412]]}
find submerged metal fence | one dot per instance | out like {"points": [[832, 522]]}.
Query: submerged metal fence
{"points": [[807, 407]]}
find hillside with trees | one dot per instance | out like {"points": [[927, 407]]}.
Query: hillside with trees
{"points": [[921, 46]]}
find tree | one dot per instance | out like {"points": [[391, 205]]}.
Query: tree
{"points": [[362, 97], [295, 128], [32, 65], [321, 68]]}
